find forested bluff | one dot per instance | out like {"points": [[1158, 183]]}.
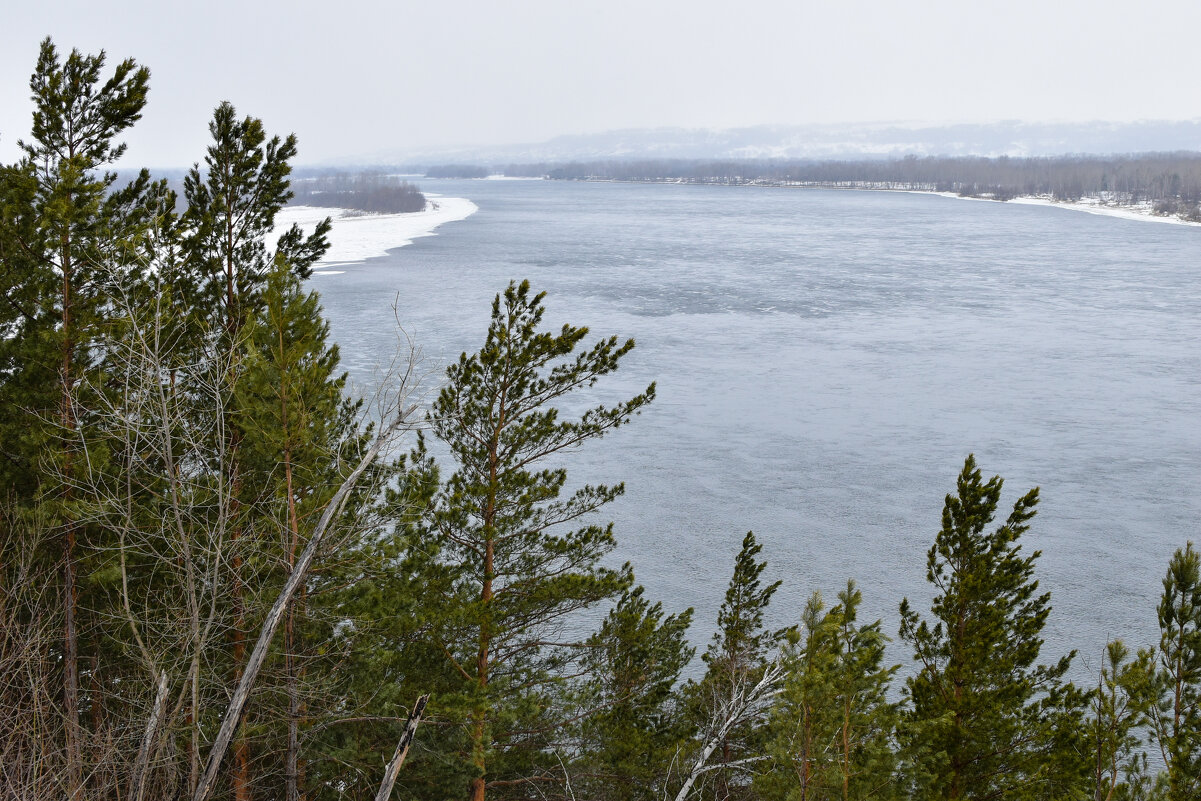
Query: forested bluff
{"points": [[223, 577]]}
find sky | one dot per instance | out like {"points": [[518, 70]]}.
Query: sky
{"points": [[362, 78]]}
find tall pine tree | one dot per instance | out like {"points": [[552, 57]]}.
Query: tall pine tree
{"points": [[736, 659], [977, 706], [632, 724], [62, 232], [1177, 712], [498, 521], [296, 429], [231, 208]]}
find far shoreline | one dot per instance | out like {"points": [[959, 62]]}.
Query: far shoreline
{"points": [[1088, 205]]}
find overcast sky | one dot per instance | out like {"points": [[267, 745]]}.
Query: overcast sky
{"points": [[353, 77]]}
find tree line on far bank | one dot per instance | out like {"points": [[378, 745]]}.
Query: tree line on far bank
{"points": [[222, 577], [367, 190], [1171, 182]]}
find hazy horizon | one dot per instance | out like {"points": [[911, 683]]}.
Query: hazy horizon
{"points": [[372, 77]]}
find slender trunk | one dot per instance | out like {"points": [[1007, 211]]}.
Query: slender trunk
{"points": [[141, 765], [955, 791], [70, 534], [1178, 680], [292, 762], [190, 722], [479, 723], [478, 727], [1100, 732], [240, 775], [95, 707], [846, 748], [71, 671], [808, 765]]}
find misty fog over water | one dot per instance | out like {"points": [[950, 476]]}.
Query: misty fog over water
{"points": [[825, 361]]}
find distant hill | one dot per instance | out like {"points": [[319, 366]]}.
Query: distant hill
{"points": [[822, 142]]}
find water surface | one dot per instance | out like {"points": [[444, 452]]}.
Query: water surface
{"points": [[825, 361]]}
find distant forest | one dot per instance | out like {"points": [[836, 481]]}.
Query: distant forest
{"points": [[1171, 182], [373, 191], [456, 171]]}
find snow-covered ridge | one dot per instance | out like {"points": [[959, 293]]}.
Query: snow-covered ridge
{"points": [[357, 236]]}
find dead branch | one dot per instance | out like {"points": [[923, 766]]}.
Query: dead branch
{"points": [[402, 750], [743, 704], [233, 715]]}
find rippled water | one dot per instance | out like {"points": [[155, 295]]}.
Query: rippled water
{"points": [[825, 361]]}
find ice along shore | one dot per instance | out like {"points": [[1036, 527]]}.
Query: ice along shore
{"points": [[358, 236]]}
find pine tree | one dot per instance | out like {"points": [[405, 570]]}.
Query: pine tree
{"points": [[62, 230], [976, 700], [231, 208], [1119, 712], [801, 730], [867, 719], [1177, 713], [831, 732], [497, 518], [737, 657], [633, 663], [295, 426], [741, 644]]}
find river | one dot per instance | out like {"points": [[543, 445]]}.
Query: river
{"points": [[826, 360]]}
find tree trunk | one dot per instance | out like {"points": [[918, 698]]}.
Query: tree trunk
{"points": [[292, 759], [479, 723], [240, 776], [70, 590]]}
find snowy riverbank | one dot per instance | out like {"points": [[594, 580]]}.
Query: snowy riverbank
{"points": [[1142, 212], [1104, 206], [1092, 205], [357, 236]]}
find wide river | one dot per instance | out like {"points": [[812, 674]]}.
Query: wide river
{"points": [[826, 360]]}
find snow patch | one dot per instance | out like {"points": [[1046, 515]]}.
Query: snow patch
{"points": [[1142, 211], [356, 237]]}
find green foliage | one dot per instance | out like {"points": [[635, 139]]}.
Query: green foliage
{"points": [[977, 701], [803, 723], [231, 209], [292, 410], [296, 428], [1177, 713], [741, 643], [1119, 712], [633, 663], [831, 731], [65, 236], [736, 659], [513, 577]]}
